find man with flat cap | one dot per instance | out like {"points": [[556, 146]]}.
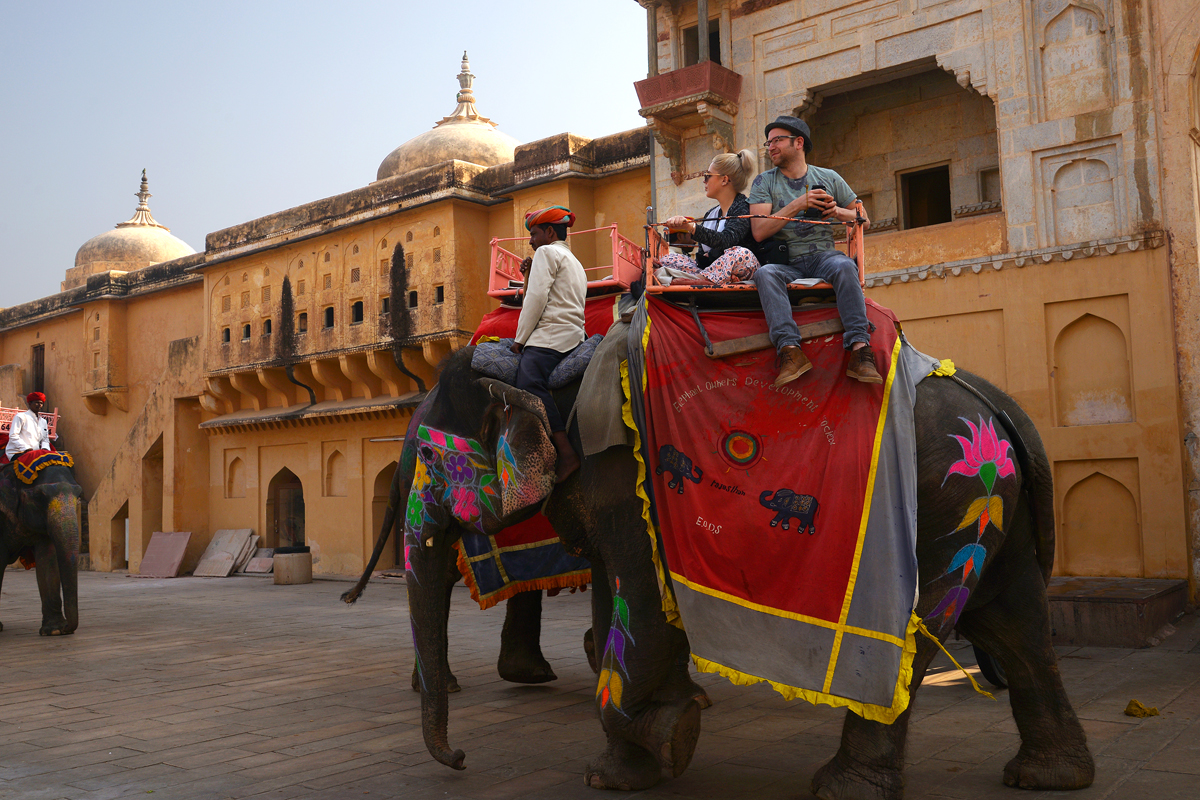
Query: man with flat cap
{"points": [[28, 431], [796, 189], [552, 316]]}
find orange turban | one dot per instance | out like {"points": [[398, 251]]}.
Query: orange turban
{"points": [[29, 398], [554, 215]]}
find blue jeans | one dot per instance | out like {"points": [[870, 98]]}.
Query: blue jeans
{"points": [[831, 266]]}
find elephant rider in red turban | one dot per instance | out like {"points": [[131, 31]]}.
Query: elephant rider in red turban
{"points": [[551, 321], [28, 431]]}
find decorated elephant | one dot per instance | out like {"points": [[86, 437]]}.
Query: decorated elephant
{"points": [[648, 704], [994, 595], [802, 507], [679, 465], [41, 520]]}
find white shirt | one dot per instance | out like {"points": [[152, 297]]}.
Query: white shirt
{"points": [[28, 431], [552, 314], [710, 221]]}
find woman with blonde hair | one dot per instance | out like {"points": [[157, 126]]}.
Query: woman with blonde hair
{"points": [[723, 231]]}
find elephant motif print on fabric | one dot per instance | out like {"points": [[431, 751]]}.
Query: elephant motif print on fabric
{"points": [[679, 465], [789, 506], [985, 455]]}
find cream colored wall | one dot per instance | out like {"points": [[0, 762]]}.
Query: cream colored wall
{"points": [[339, 526], [1085, 348]]}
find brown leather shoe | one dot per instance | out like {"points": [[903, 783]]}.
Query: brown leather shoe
{"points": [[793, 364], [862, 366]]}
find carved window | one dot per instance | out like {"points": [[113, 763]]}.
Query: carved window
{"points": [[245, 277], [925, 197], [355, 275], [245, 299], [246, 332], [354, 251], [267, 327], [327, 258], [408, 236], [437, 231], [383, 266], [302, 323], [225, 336], [299, 287], [437, 255], [226, 302], [95, 334], [266, 294], [328, 281], [408, 261], [226, 280], [383, 245]]}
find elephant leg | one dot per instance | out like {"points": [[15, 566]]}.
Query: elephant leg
{"points": [[1015, 628], [50, 589], [451, 682], [521, 659], [679, 684], [5, 558], [589, 649], [869, 764], [645, 734], [62, 518]]}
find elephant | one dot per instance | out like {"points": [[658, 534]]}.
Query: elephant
{"points": [[44, 518], [792, 506], [679, 465], [506, 429], [655, 723]]}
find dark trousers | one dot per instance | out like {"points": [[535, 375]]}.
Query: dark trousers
{"points": [[533, 376]]}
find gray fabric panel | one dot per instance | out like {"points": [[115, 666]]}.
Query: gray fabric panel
{"points": [[867, 670], [598, 407], [784, 650], [889, 560]]}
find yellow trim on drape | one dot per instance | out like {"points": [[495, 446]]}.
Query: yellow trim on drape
{"points": [[866, 512]]}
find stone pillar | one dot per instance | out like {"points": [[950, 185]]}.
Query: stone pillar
{"points": [[652, 39], [702, 30]]}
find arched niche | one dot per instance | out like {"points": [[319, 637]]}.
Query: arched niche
{"points": [[235, 479], [379, 504], [1100, 529], [335, 475], [1092, 381], [285, 510], [1084, 202], [1076, 68]]}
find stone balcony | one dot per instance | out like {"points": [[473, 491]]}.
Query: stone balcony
{"points": [[703, 95]]}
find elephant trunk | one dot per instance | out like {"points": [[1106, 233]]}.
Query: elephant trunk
{"points": [[427, 577], [62, 517]]}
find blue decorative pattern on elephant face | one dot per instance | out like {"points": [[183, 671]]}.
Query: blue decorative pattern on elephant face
{"points": [[788, 506], [679, 465], [613, 673]]}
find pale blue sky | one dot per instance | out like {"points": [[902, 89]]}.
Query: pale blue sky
{"points": [[241, 109]]}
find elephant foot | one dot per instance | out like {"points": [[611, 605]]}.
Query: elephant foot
{"points": [[623, 766], [589, 649], [515, 666], [451, 683], [840, 781], [1055, 770], [670, 731], [55, 629]]}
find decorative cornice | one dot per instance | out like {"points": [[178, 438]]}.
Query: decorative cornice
{"points": [[1149, 240], [975, 209], [885, 224]]}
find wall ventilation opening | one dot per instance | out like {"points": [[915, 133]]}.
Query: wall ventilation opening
{"points": [[246, 332], [329, 317], [302, 323], [412, 299], [356, 312]]}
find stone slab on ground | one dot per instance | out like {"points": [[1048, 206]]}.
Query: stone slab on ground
{"points": [[222, 554], [261, 562], [1112, 612], [166, 691], [164, 554]]}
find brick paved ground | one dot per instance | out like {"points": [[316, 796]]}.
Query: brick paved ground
{"points": [[210, 688]]}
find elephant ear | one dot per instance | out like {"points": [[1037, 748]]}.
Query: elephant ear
{"points": [[525, 454]]}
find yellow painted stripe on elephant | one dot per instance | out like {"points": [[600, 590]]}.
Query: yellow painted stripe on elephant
{"points": [[669, 606], [778, 612], [862, 526], [869, 711]]}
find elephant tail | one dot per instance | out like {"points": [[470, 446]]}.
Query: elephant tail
{"points": [[1037, 477], [389, 522]]}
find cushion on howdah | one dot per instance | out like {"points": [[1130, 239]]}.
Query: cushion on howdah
{"points": [[497, 360]]}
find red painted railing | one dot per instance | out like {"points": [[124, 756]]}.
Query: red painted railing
{"points": [[625, 268]]}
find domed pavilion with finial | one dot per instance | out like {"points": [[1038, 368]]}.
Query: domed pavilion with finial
{"points": [[465, 135], [138, 242], [222, 389]]}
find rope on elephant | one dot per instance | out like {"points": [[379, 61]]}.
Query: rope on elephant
{"points": [[921, 627]]}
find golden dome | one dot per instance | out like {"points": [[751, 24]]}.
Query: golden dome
{"points": [[463, 136], [135, 243]]}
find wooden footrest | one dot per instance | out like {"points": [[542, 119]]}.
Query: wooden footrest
{"points": [[761, 341]]}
